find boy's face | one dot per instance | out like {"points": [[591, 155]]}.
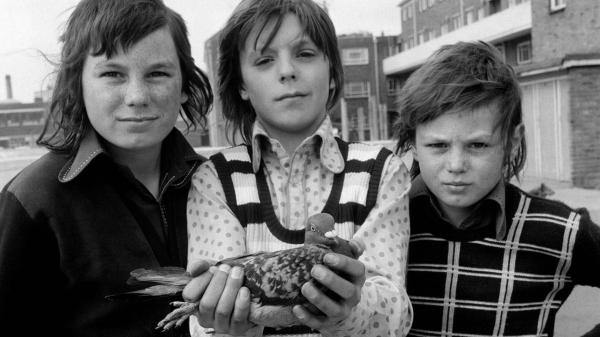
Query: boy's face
{"points": [[460, 155], [133, 98], [287, 83]]}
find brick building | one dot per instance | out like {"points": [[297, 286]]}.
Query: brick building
{"points": [[553, 46], [363, 111]]}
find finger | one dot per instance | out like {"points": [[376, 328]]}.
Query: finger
{"points": [[194, 290], [211, 296], [339, 285], [328, 307], [198, 267], [227, 300], [357, 248], [239, 319], [352, 269], [307, 318]]}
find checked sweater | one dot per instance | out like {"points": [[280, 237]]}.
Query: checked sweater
{"points": [[469, 283]]}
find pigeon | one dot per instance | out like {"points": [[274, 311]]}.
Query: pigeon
{"points": [[275, 279]]}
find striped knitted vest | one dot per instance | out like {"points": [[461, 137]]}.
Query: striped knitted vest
{"points": [[352, 196], [488, 287]]}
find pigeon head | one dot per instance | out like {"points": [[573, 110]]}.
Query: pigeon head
{"points": [[320, 229]]}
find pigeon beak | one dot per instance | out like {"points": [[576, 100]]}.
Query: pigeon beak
{"points": [[331, 234]]}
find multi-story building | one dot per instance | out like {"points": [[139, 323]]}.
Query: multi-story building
{"points": [[553, 46], [362, 113], [20, 123]]}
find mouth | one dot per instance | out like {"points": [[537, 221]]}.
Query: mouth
{"points": [[456, 186], [137, 119], [296, 94]]}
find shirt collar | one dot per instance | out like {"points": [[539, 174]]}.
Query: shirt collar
{"points": [[178, 161], [497, 196], [323, 139]]}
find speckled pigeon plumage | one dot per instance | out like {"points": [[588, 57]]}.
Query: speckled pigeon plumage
{"points": [[273, 278]]}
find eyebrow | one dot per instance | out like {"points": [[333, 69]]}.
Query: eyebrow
{"points": [[297, 42], [113, 64]]}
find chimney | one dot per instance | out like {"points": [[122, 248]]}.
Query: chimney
{"points": [[8, 88]]}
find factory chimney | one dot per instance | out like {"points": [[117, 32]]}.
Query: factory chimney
{"points": [[9, 94]]}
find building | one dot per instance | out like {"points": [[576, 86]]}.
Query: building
{"points": [[362, 113], [553, 46], [20, 123]]}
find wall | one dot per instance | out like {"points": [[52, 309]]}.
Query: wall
{"points": [[574, 30], [585, 125]]}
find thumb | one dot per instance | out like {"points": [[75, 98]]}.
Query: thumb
{"points": [[198, 267], [357, 248]]}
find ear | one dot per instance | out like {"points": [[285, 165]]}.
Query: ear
{"points": [[244, 94], [516, 137], [413, 152], [184, 98]]}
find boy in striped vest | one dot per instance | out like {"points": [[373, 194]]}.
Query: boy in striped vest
{"points": [[486, 258], [279, 74]]}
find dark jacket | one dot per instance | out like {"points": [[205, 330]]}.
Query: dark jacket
{"points": [[71, 230]]}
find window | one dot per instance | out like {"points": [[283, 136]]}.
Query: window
{"points": [[404, 13], [410, 43], [444, 29], [420, 37], [356, 89], [454, 22], [524, 52], [480, 13], [410, 10], [355, 56], [393, 87], [430, 3], [556, 5], [422, 5], [469, 15], [431, 35]]}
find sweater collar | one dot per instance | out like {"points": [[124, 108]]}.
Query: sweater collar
{"points": [[322, 139], [179, 161], [497, 197]]}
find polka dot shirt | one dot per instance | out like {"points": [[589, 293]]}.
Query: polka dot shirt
{"points": [[300, 184]]}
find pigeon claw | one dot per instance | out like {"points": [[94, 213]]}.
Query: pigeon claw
{"points": [[176, 317]]}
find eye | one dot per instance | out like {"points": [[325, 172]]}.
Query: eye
{"points": [[113, 74], [159, 74], [437, 145], [306, 53], [479, 145], [312, 228], [263, 61]]}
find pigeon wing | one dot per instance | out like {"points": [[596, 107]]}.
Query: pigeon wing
{"points": [[276, 278]]}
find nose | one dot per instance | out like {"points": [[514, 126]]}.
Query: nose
{"points": [[136, 93], [287, 70], [457, 160]]}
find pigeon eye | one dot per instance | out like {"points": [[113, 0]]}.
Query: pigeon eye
{"points": [[312, 228]]}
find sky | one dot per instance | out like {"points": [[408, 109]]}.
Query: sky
{"points": [[29, 31]]}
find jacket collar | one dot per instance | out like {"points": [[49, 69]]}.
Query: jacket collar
{"points": [[178, 158], [323, 139], [496, 196]]}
